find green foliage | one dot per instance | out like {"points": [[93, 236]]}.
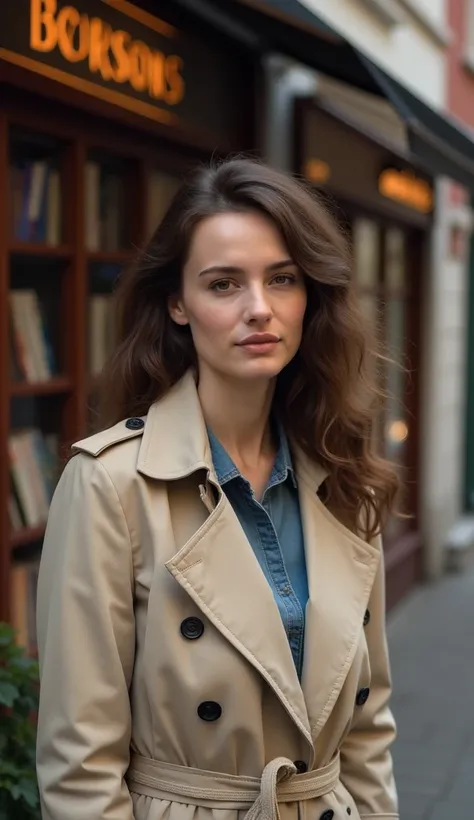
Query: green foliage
{"points": [[19, 688]]}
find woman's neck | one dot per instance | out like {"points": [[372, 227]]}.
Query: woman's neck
{"points": [[238, 414]]}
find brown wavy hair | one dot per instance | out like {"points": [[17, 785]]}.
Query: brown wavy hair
{"points": [[325, 396]]}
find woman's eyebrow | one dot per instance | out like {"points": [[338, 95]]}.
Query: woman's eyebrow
{"points": [[284, 263]]}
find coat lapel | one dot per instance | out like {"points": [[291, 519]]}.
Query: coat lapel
{"points": [[220, 572], [217, 566], [341, 570]]}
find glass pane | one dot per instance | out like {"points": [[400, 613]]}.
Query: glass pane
{"points": [[100, 320], [396, 423], [394, 259], [107, 226], [369, 306], [366, 244], [161, 189]]}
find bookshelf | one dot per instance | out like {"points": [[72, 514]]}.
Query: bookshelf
{"points": [[75, 202]]}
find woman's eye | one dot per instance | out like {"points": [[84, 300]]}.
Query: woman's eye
{"points": [[284, 279], [221, 285]]}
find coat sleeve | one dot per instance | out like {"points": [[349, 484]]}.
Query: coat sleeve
{"points": [[86, 645], [366, 760]]}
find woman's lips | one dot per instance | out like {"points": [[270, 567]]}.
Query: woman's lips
{"points": [[259, 343]]}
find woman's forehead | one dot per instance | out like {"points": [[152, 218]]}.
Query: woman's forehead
{"points": [[236, 237]]}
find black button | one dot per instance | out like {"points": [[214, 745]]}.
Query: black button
{"points": [[362, 696], [366, 617], [134, 424], [327, 815], [192, 628], [301, 766], [209, 710], [349, 810]]}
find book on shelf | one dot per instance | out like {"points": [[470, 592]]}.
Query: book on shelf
{"points": [[32, 358], [24, 583], [104, 204], [34, 470], [36, 202]]}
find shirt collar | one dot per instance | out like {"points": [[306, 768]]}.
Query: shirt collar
{"points": [[226, 470]]}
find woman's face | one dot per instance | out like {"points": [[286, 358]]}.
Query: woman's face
{"points": [[242, 296]]}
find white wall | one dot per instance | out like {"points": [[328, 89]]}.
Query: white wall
{"points": [[408, 51], [444, 317], [433, 8]]}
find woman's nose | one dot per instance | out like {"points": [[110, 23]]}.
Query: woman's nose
{"points": [[258, 308]]}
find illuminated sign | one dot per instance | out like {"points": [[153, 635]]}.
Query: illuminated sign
{"points": [[110, 49], [114, 54], [317, 171], [407, 188], [120, 54]]}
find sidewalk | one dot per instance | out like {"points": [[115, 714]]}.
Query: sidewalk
{"points": [[431, 638]]}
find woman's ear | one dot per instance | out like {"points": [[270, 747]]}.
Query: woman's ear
{"points": [[176, 310]]}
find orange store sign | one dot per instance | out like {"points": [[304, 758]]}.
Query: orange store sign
{"points": [[112, 53], [120, 54], [407, 188]]}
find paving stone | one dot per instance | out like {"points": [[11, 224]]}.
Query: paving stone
{"points": [[430, 637], [449, 810], [414, 806]]}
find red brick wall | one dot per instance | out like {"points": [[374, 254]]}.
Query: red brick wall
{"points": [[460, 81], [460, 87]]}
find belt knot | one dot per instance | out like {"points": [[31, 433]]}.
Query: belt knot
{"points": [[259, 796]]}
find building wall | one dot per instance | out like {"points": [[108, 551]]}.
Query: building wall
{"points": [[446, 322], [411, 50], [460, 75]]}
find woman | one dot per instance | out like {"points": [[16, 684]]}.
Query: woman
{"points": [[211, 595]]}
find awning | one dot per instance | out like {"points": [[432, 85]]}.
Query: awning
{"points": [[443, 146], [288, 26]]}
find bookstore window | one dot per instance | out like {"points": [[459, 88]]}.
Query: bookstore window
{"points": [[380, 259], [108, 185], [107, 202], [161, 189], [38, 381]]}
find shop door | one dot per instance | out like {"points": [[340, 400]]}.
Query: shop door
{"points": [[386, 275]]}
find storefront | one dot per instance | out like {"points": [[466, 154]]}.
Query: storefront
{"points": [[385, 205], [381, 185], [103, 108]]}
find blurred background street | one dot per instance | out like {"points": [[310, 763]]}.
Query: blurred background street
{"points": [[430, 638], [104, 107]]}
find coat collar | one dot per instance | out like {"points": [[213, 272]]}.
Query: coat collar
{"points": [[175, 442]]}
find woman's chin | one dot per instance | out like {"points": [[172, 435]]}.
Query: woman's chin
{"points": [[257, 370]]}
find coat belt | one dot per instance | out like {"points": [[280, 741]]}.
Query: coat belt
{"points": [[279, 783]]}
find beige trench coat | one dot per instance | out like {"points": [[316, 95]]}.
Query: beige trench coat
{"points": [[145, 714]]}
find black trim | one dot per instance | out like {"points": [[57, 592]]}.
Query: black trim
{"points": [[213, 15]]}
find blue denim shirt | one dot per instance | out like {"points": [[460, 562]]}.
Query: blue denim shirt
{"points": [[274, 530]]}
